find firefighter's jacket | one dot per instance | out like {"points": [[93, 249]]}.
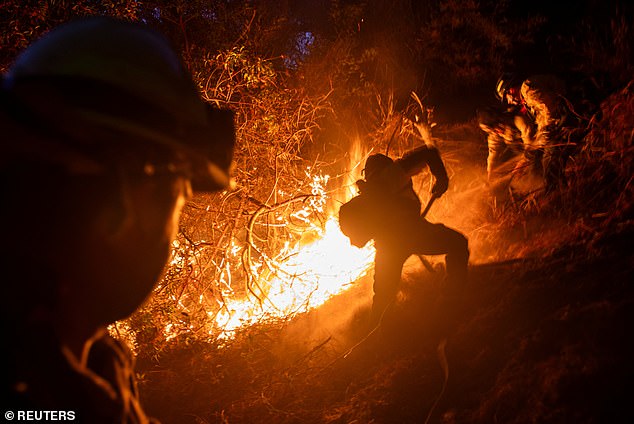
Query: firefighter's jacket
{"points": [[387, 205], [544, 97]]}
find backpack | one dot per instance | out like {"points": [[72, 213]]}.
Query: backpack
{"points": [[355, 222]]}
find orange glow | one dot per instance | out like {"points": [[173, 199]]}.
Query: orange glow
{"points": [[314, 263], [305, 276], [309, 276]]}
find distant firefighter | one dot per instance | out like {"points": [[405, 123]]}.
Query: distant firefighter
{"points": [[557, 129], [511, 150], [388, 210]]}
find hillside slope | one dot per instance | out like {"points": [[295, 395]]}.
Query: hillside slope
{"points": [[545, 340], [542, 333]]}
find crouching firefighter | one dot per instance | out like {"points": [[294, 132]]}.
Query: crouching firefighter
{"points": [[388, 211]]}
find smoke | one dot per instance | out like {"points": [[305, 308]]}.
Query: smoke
{"points": [[331, 328], [467, 207]]}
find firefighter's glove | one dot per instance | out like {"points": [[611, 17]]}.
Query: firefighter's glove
{"points": [[440, 186]]}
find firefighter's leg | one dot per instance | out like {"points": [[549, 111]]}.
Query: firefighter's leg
{"points": [[535, 163], [437, 239], [554, 162], [387, 277], [496, 148], [498, 168], [556, 152]]}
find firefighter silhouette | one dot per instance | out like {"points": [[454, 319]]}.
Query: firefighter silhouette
{"points": [[388, 211]]}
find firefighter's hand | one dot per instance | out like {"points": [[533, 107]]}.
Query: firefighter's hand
{"points": [[440, 187]]}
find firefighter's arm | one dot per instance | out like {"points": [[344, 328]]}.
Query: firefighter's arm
{"points": [[526, 128], [415, 160], [496, 147]]}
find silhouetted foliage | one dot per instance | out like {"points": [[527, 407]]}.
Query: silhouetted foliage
{"points": [[21, 22]]}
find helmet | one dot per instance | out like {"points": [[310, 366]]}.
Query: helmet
{"points": [[504, 85], [376, 163], [102, 82]]}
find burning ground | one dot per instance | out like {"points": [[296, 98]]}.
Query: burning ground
{"points": [[542, 334]]}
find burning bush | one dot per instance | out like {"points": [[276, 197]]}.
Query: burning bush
{"points": [[266, 249]]}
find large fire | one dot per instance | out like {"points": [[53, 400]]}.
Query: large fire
{"points": [[298, 277], [306, 274], [310, 275], [315, 263]]}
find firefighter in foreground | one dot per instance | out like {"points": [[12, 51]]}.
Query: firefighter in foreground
{"points": [[103, 137], [388, 210]]}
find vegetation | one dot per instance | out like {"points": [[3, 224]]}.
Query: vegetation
{"points": [[544, 322]]}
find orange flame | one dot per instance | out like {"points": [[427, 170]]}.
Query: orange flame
{"points": [[306, 280], [309, 275], [301, 277]]}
